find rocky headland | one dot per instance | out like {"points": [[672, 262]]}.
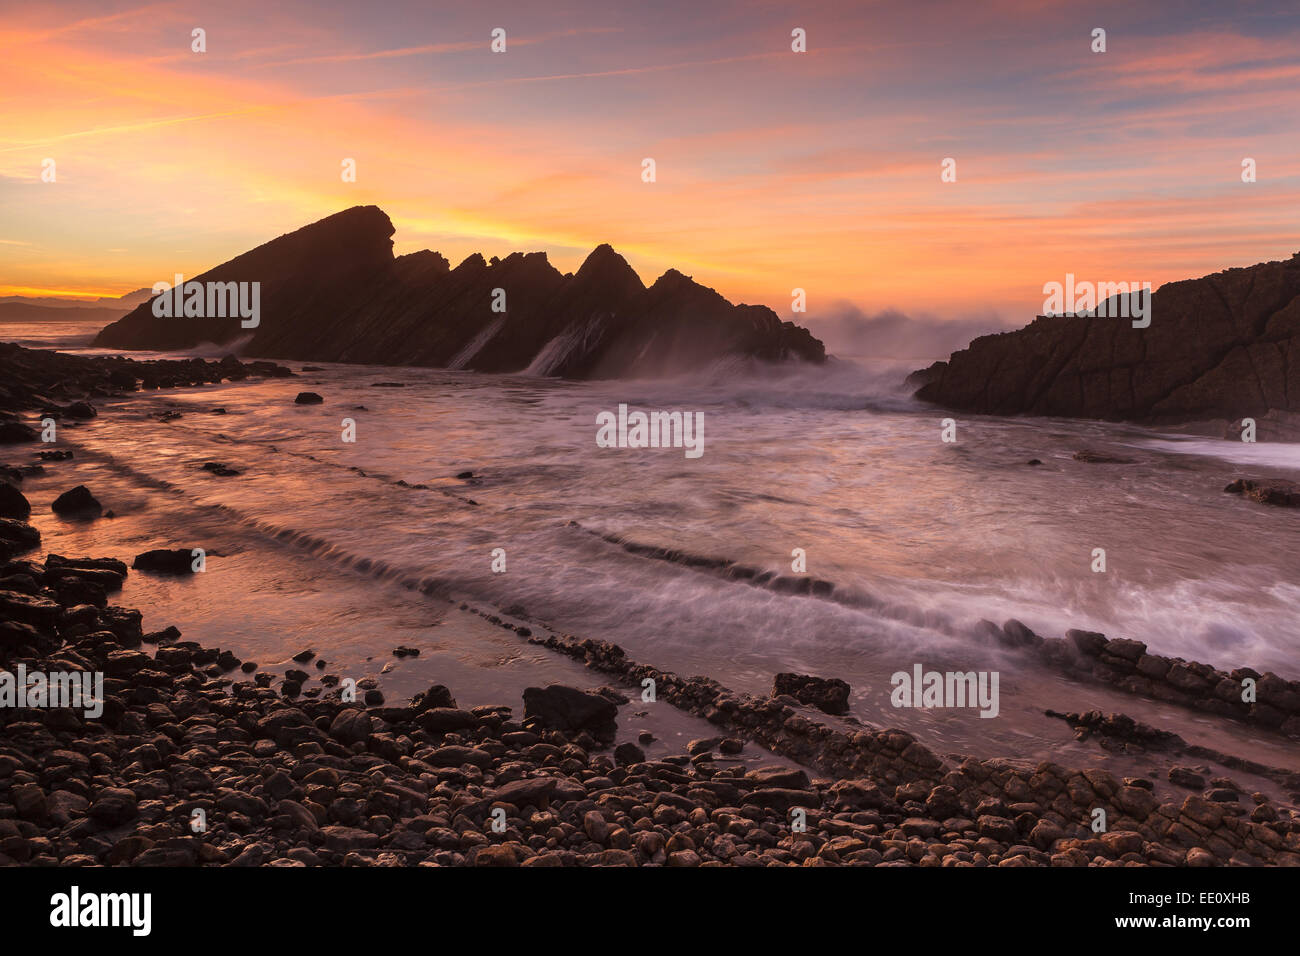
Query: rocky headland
{"points": [[333, 292], [1219, 348]]}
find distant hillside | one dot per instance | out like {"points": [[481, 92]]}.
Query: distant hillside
{"points": [[21, 312], [119, 304]]}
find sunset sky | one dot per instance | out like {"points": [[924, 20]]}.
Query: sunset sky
{"points": [[775, 169]]}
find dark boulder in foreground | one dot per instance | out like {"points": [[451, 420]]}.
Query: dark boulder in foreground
{"points": [[308, 398], [566, 708], [436, 696], [1270, 491], [77, 503], [1226, 346], [11, 433], [16, 537], [107, 571], [83, 411], [165, 561], [332, 291], [828, 694], [531, 791], [628, 753], [13, 503]]}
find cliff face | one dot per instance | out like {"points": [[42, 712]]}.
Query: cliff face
{"points": [[333, 292], [1223, 346]]}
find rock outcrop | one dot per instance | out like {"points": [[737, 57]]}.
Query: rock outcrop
{"points": [[38, 379], [333, 292], [1225, 346], [828, 694], [1272, 491]]}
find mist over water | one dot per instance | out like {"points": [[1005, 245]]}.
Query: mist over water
{"points": [[921, 539], [66, 336]]}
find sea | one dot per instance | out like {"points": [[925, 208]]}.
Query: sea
{"points": [[492, 492]]}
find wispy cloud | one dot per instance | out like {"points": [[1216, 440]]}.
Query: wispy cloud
{"points": [[775, 169]]}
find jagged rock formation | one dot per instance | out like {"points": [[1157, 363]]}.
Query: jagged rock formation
{"points": [[333, 292], [1224, 346]]}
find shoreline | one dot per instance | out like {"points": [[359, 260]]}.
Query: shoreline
{"points": [[296, 780], [283, 780]]}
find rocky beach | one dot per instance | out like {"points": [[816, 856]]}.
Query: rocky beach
{"points": [[203, 757]]}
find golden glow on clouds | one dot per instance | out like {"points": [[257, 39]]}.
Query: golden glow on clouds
{"points": [[818, 170], [54, 293]]}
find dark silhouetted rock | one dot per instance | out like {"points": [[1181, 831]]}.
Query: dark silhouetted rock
{"points": [[827, 694], [13, 432], [308, 398], [29, 378], [13, 503], [441, 720], [1226, 346], [17, 536], [1186, 777], [113, 806], [78, 502], [332, 291], [1270, 491], [1088, 642], [106, 572], [531, 791], [436, 696], [566, 708], [628, 753], [351, 726], [165, 561]]}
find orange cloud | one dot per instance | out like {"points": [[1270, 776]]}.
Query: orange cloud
{"points": [[774, 170]]}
